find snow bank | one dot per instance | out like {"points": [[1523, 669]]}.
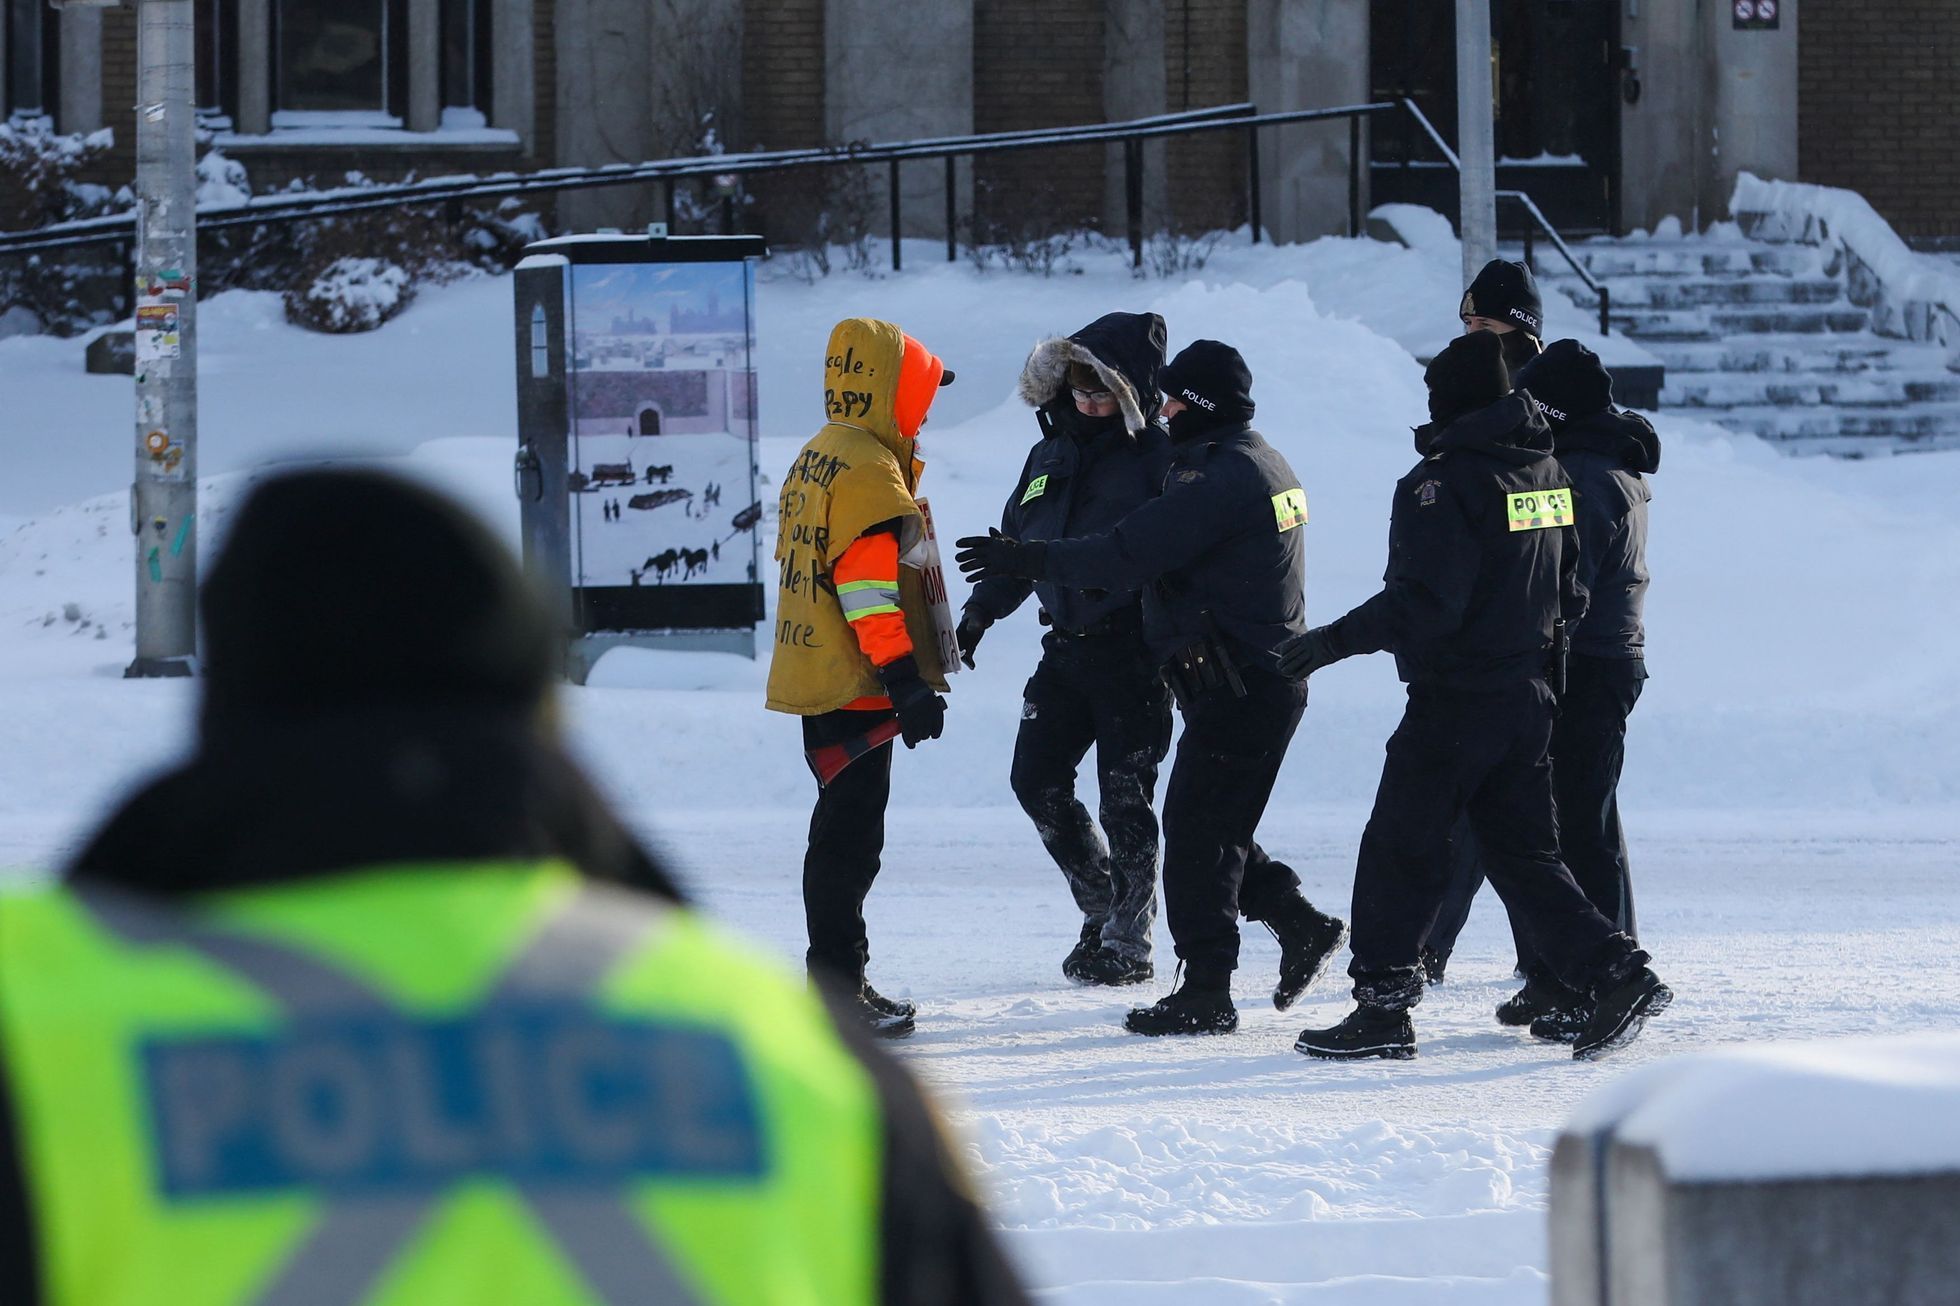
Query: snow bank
{"points": [[1837, 1108], [1911, 295]]}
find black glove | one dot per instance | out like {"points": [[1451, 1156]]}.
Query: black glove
{"points": [[921, 713], [985, 557], [1302, 655], [967, 634]]}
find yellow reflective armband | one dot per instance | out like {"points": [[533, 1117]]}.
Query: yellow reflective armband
{"points": [[1290, 509], [1537, 510]]}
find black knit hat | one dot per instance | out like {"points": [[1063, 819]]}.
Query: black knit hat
{"points": [[1568, 382], [346, 588], [1210, 377], [1507, 292], [1467, 375]]}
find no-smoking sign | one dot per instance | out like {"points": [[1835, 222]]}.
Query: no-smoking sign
{"points": [[1758, 15]]}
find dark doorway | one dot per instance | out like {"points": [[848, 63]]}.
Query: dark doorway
{"points": [[1557, 82], [649, 421]]}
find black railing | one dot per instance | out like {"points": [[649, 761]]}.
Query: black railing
{"points": [[453, 192]]}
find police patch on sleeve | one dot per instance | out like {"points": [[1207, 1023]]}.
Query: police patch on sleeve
{"points": [[1426, 493], [1036, 488], [1290, 509], [1538, 510]]}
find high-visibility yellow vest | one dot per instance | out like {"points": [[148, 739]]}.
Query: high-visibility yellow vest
{"points": [[424, 1085]]}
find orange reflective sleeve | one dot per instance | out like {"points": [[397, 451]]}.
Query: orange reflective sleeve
{"points": [[866, 578]]}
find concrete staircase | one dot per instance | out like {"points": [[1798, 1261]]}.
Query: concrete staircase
{"points": [[1761, 338]]}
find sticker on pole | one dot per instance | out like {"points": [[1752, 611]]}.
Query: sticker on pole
{"points": [[157, 335], [924, 558]]}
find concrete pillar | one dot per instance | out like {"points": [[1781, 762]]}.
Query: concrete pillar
{"points": [[1307, 57], [254, 67], [513, 94], [81, 71], [1135, 85], [889, 76], [604, 108], [1753, 114], [423, 112], [1713, 102]]}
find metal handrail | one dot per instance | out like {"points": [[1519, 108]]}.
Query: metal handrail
{"points": [[454, 191]]}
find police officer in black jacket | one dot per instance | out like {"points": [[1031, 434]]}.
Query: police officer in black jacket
{"points": [[1221, 563], [1101, 455], [1607, 454], [1482, 566]]}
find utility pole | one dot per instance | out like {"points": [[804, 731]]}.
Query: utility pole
{"points": [[1475, 144], [163, 499]]}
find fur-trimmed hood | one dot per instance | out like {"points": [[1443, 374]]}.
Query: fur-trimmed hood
{"points": [[1127, 351]]}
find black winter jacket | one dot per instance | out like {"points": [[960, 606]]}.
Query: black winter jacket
{"points": [[264, 804], [1606, 455], [1086, 474], [1478, 567], [1220, 553]]}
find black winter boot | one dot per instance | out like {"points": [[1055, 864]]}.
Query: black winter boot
{"points": [[1085, 947], [882, 1016], [1564, 1024], [1308, 940], [1434, 963], [1540, 996], [1107, 966], [1622, 1010], [1366, 1032], [1189, 1010]]}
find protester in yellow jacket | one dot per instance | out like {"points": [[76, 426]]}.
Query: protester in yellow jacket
{"points": [[854, 642], [372, 1002]]}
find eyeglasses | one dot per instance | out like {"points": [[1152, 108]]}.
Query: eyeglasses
{"points": [[1091, 396]]}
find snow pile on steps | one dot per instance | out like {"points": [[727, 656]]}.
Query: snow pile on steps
{"points": [[1911, 296]]}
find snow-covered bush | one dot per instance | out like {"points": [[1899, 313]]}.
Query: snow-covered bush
{"points": [[351, 294], [40, 182]]}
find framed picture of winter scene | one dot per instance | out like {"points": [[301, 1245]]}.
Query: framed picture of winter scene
{"points": [[637, 461]]}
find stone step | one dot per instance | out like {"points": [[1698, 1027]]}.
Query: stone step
{"points": [[1930, 425], [1851, 390], [1690, 259], [1702, 292], [1723, 323], [1771, 353]]}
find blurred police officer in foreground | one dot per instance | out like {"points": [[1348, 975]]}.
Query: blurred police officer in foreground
{"points": [[1101, 455], [373, 1001], [1481, 569], [1607, 454], [1221, 563]]}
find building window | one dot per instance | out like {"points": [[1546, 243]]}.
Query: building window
{"points": [[466, 61], [339, 57], [217, 60], [33, 58]]}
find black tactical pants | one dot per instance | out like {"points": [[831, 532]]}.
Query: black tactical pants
{"points": [[1588, 750], [1227, 760], [1101, 690], [847, 836], [1484, 755]]}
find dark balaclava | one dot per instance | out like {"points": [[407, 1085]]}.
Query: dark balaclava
{"points": [[1213, 383], [1467, 375], [1506, 292], [1568, 382], [342, 590]]}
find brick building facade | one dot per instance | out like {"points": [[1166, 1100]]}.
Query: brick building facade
{"points": [[1878, 108]]}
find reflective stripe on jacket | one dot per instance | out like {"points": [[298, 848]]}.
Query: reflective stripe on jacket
{"points": [[426, 1085]]}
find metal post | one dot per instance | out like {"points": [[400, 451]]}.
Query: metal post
{"points": [[1252, 174], [1605, 309], [163, 506], [1530, 231], [1354, 175], [892, 187], [952, 214], [1475, 145], [673, 227], [1133, 198]]}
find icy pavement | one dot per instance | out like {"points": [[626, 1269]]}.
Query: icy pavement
{"points": [[1235, 1170]]}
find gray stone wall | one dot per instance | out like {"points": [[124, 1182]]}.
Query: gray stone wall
{"points": [[1307, 57]]}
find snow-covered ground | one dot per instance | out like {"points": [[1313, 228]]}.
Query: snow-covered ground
{"points": [[1793, 788]]}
